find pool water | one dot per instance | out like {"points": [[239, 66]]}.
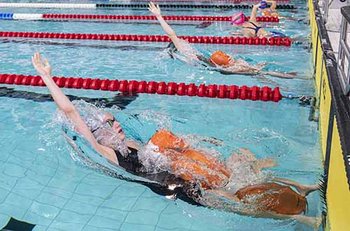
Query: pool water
{"points": [[42, 184]]}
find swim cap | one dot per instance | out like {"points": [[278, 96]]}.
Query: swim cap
{"points": [[263, 4], [238, 18], [220, 58]]}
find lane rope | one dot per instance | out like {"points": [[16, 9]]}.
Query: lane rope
{"points": [[274, 41], [131, 6], [254, 93], [100, 17]]}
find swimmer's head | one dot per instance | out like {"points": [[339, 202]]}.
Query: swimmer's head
{"points": [[238, 19], [220, 58], [111, 134], [263, 4], [103, 126]]}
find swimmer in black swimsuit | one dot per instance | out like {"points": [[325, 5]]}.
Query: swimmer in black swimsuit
{"points": [[176, 166]]}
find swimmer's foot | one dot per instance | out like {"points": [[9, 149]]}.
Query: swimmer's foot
{"points": [[306, 189], [303, 190], [313, 222]]}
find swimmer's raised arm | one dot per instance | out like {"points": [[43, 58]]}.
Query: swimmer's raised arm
{"points": [[166, 27], [155, 10], [273, 4], [44, 69], [254, 13]]}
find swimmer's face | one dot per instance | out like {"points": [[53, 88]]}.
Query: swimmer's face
{"points": [[115, 125]]}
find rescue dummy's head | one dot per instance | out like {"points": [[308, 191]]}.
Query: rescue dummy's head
{"points": [[269, 13], [273, 197], [238, 19], [220, 58]]}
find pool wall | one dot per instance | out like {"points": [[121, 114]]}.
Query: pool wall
{"points": [[334, 125]]}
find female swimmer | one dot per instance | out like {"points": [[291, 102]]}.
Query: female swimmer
{"points": [[221, 61], [194, 175], [252, 28]]}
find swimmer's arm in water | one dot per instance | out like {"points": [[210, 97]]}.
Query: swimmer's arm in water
{"points": [[64, 104], [257, 164], [260, 164]]}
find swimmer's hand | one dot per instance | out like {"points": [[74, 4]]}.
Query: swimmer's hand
{"points": [[42, 66], [154, 9]]}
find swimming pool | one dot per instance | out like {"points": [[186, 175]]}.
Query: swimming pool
{"points": [[41, 183]]}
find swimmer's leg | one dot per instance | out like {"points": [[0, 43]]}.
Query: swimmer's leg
{"points": [[313, 222], [304, 190], [283, 75]]}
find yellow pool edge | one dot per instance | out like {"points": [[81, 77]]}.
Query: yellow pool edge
{"points": [[333, 142]]}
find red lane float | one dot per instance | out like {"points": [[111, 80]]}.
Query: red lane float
{"points": [[150, 17], [132, 86], [216, 1], [276, 41]]}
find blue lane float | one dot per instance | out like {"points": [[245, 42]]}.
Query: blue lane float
{"points": [[6, 16]]}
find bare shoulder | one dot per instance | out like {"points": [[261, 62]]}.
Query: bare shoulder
{"points": [[107, 153], [133, 144]]}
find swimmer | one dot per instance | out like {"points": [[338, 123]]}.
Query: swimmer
{"points": [[219, 60], [268, 11], [193, 175], [252, 28]]}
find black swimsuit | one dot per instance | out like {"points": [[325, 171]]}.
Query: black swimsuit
{"points": [[255, 28], [185, 191]]}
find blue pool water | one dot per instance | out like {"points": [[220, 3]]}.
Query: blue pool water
{"points": [[41, 183]]}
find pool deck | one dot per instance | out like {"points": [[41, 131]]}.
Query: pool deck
{"points": [[333, 24]]}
